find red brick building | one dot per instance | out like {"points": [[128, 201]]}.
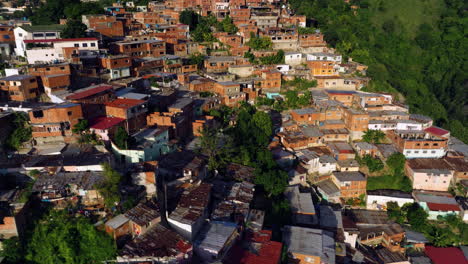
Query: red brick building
{"points": [[92, 99], [19, 88], [55, 124], [132, 110]]}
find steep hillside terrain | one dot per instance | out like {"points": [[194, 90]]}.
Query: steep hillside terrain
{"points": [[414, 47]]}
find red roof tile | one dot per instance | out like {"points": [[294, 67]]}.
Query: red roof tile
{"points": [[104, 122], [449, 255], [437, 131], [89, 92], [124, 103], [443, 207], [58, 40]]}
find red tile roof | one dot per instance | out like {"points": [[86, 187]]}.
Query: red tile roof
{"points": [[437, 131], [104, 122], [58, 40], [449, 255], [268, 252], [443, 207], [124, 103], [89, 92]]}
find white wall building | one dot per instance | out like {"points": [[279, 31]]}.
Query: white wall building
{"points": [[323, 56], [378, 199], [293, 58], [25, 32], [386, 125], [51, 50]]}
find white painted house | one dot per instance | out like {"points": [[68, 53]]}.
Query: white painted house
{"points": [[26, 32], [378, 199], [324, 56], [293, 58], [52, 50]]}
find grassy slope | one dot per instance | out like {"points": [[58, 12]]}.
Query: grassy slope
{"points": [[411, 13]]}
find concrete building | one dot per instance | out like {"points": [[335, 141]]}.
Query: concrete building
{"points": [[215, 240], [378, 199], [39, 32], [19, 88], [309, 245], [54, 124], [57, 50], [192, 210], [150, 144]]}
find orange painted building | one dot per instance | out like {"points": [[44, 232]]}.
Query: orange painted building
{"points": [[322, 68]]}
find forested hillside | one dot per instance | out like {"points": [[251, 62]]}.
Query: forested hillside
{"points": [[414, 47]]}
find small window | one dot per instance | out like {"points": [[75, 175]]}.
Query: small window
{"points": [[77, 45], [85, 45], [93, 44], [70, 113]]}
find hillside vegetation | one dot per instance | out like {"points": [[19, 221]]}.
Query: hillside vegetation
{"points": [[413, 47]]}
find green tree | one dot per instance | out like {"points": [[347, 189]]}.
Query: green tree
{"points": [[259, 43], [197, 58], [81, 126], [190, 18], [274, 182], [76, 10], [227, 25], [373, 164], [109, 188], [74, 29], [416, 216], [262, 127], [395, 213], [373, 136], [396, 162], [22, 131], [121, 138], [215, 148], [12, 250], [61, 238]]}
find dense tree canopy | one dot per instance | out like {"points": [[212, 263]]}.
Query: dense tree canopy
{"points": [[109, 189], [74, 29], [61, 238], [418, 51], [22, 131], [53, 10]]}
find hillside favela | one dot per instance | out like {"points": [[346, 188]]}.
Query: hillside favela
{"points": [[233, 132]]}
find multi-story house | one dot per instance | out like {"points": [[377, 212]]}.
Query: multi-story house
{"points": [[132, 110], [139, 49], [40, 32], [19, 88], [418, 144], [352, 184], [107, 26], [55, 124], [92, 99], [118, 66], [429, 174], [53, 50], [356, 121]]}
